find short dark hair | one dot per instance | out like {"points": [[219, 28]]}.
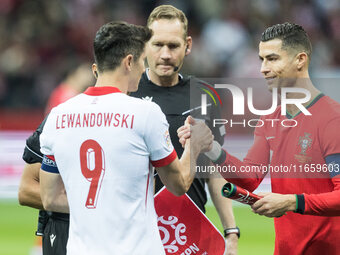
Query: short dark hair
{"points": [[168, 12], [115, 40], [292, 35]]}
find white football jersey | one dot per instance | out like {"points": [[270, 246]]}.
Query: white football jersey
{"points": [[102, 142]]}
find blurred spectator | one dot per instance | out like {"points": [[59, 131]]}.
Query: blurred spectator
{"points": [[76, 81], [41, 39]]}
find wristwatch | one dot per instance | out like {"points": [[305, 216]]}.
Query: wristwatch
{"points": [[236, 231]]}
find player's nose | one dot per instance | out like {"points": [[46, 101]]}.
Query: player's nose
{"points": [[165, 53], [264, 68]]}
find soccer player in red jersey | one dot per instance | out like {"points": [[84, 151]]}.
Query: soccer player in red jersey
{"points": [[311, 149]]}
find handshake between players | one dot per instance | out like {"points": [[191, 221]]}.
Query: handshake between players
{"points": [[198, 133]]}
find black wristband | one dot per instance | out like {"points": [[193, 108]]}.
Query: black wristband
{"points": [[221, 158], [229, 231], [300, 200]]}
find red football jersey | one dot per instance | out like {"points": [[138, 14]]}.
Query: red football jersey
{"points": [[294, 155]]}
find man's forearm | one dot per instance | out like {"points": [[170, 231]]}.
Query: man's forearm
{"points": [[324, 204], [225, 211], [30, 196], [201, 140], [29, 189], [222, 204], [222, 158], [52, 192], [187, 165], [57, 204]]}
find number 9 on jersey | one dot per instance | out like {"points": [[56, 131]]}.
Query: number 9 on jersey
{"points": [[92, 164]]}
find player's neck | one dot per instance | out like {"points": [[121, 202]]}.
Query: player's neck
{"points": [[113, 80], [306, 84], [163, 81]]}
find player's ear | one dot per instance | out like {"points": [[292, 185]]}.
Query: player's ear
{"points": [[301, 61], [95, 70], [127, 62], [189, 45]]}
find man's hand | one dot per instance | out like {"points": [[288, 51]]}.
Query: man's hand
{"points": [[178, 175], [184, 133], [199, 134], [274, 205]]}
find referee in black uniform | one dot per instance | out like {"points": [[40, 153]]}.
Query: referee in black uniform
{"points": [[162, 84]]}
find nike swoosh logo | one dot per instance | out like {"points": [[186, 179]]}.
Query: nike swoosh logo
{"points": [[270, 137]]}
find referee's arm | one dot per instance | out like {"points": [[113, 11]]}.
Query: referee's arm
{"points": [[29, 189]]}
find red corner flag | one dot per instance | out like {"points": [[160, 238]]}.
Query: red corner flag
{"points": [[184, 229]]}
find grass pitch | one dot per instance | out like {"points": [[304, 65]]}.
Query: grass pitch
{"points": [[257, 232], [17, 228], [18, 224]]}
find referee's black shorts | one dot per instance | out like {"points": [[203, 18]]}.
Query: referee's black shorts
{"points": [[55, 236]]}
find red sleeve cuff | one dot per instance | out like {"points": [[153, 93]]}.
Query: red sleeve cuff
{"points": [[165, 161], [51, 157]]}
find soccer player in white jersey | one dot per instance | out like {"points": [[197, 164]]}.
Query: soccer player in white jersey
{"points": [[98, 145]]}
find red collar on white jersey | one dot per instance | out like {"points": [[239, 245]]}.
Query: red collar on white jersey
{"points": [[99, 91]]}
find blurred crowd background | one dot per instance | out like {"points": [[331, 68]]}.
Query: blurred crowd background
{"points": [[41, 40]]}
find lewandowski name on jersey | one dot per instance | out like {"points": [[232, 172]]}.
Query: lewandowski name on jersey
{"points": [[83, 120]]}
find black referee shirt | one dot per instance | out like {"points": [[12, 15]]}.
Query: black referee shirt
{"points": [[176, 105]]}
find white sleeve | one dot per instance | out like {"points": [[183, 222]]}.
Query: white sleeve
{"points": [[157, 138], [47, 135]]}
